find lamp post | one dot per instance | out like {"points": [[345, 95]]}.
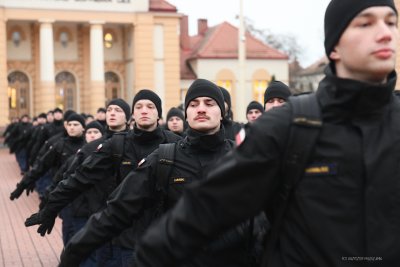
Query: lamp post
{"points": [[242, 94]]}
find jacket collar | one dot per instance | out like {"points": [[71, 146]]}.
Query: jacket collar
{"points": [[345, 98]]}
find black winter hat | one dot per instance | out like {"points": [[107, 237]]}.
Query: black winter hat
{"points": [[123, 105], [254, 105], [67, 114], [76, 117], [340, 13], [202, 87], [42, 115], [175, 112], [96, 125], [57, 110], [149, 95], [101, 110], [276, 89]]}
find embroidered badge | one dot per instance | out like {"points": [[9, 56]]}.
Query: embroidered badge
{"points": [[179, 180], [321, 169]]}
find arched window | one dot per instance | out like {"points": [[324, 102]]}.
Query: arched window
{"points": [[113, 85], [108, 40], [18, 94], [65, 90]]}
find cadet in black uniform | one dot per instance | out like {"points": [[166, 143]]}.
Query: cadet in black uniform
{"points": [[108, 166], [231, 127], [144, 193], [344, 210], [275, 95], [20, 137], [175, 121], [55, 156]]}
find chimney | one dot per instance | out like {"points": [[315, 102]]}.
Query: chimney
{"points": [[202, 26], [184, 33]]}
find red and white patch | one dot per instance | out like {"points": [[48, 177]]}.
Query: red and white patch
{"points": [[240, 136], [99, 147], [141, 162]]}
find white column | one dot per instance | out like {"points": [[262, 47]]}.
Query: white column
{"points": [[46, 51], [47, 78], [159, 66], [97, 85], [96, 51]]}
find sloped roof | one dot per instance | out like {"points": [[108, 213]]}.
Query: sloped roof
{"points": [[316, 67], [161, 6], [221, 41]]}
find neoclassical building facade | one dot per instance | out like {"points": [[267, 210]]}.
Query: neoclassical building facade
{"points": [[77, 54]]}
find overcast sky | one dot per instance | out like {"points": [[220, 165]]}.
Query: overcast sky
{"points": [[301, 18]]}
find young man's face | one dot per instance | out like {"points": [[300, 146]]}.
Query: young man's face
{"points": [[50, 117], [74, 128], [204, 115], [58, 116], [115, 117], [366, 51], [274, 102], [175, 124], [145, 115], [41, 120], [253, 114], [92, 134], [100, 116]]}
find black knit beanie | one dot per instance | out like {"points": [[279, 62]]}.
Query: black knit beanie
{"points": [[76, 117], [340, 13], [101, 110], [67, 114], [276, 89], [254, 105], [57, 110], [42, 115], [96, 125], [123, 105], [202, 87], [175, 112], [149, 95]]}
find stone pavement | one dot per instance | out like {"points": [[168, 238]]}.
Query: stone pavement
{"points": [[21, 246]]}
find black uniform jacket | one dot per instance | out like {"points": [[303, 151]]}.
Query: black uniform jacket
{"points": [[91, 200], [345, 209], [55, 156], [136, 201], [99, 170]]}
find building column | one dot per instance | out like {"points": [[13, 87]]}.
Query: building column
{"points": [[47, 78], [97, 84], [3, 71]]}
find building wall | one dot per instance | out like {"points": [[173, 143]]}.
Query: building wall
{"points": [[218, 70], [132, 56]]}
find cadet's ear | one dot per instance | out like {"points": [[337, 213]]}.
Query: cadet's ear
{"points": [[334, 55]]}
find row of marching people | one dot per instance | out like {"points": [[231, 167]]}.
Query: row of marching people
{"points": [[107, 196]]}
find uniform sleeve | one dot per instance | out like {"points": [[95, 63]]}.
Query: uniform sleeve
{"points": [[95, 168], [125, 205], [45, 162], [236, 189]]}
